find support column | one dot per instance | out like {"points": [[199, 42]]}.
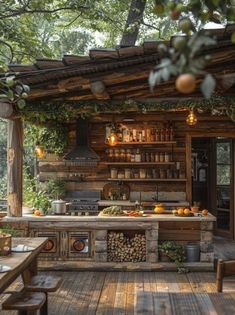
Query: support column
{"points": [[14, 167]]}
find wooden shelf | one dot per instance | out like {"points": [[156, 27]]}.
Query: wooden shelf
{"points": [[147, 179], [138, 163], [143, 143]]}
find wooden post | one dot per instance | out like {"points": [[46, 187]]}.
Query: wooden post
{"points": [[15, 167]]}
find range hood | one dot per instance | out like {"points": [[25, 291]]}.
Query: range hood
{"points": [[82, 154]]}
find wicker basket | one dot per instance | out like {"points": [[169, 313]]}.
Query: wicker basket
{"points": [[5, 244]]}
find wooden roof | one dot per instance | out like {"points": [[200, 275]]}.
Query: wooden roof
{"points": [[117, 74]]}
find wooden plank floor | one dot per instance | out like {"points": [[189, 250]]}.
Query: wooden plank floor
{"points": [[140, 293]]}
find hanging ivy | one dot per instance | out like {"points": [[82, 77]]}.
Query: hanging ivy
{"points": [[44, 113]]}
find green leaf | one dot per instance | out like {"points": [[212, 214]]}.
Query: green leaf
{"points": [[21, 103], [208, 86]]}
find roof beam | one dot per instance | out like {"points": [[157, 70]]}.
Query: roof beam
{"points": [[98, 89]]}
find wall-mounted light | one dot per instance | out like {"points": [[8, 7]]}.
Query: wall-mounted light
{"points": [[191, 119], [113, 140], [40, 151]]}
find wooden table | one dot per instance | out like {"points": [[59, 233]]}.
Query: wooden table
{"points": [[24, 264]]}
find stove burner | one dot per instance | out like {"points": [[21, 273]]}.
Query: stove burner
{"points": [[83, 202]]}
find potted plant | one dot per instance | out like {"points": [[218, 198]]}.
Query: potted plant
{"points": [[55, 188], [170, 251]]}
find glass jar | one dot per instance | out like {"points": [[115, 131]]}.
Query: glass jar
{"points": [[116, 155], [114, 173], [166, 157], [121, 174], [127, 173], [137, 156], [142, 173], [161, 157], [122, 155], [156, 157]]}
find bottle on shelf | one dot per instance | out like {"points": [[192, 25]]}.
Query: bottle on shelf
{"points": [[128, 155], [166, 157], [134, 131], [122, 155], [148, 135], [116, 155], [143, 135], [158, 135], [132, 156], [152, 135], [137, 156], [171, 133], [156, 157], [161, 157], [140, 136], [162, 134], [119, 135]]}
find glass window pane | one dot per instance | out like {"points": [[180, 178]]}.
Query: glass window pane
{"points": [[223, 197], [223, 152], [223, 174], [223, 220]]}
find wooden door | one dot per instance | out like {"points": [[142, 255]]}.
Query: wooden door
{"points": [[222, 197]]}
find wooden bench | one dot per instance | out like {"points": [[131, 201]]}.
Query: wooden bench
{"points": [[26, 303], [225, 268], [44, 283]]}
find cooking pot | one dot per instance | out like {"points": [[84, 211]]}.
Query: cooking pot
{"points": [[59, 206]]}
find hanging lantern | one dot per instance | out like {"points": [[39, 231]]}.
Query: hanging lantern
{"points": [[113, 140], [40, 151], [191, 119]]}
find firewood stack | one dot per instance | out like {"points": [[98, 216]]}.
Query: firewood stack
{"points": [[126, 248]]}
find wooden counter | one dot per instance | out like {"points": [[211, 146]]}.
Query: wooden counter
{"points": [[64, 231]]}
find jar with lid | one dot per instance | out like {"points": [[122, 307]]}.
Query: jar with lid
{"points": [[116, 155], [122, 155], [171, 132], [132, 156], [152, 157], [162, 173], [161, 157], [158, 135], [137, 156], [152, 135], [142, 173], [114, 173], [121, 174], [127, 173], [167, 159], [156, 157], [162, 135], [147, 157]]}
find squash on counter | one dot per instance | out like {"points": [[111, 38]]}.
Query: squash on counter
{"points": [[159, 208]]}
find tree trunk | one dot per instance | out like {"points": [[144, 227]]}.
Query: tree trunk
{"points": [[15, 167], [134, 19], [6, 110]]}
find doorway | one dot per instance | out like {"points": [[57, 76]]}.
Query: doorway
{"points": [[213, 180]]}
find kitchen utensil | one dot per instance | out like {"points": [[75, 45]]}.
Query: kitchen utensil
{"points": [[59, 206]]}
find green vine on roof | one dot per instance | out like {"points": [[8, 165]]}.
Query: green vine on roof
{"points": [[44, 113]]}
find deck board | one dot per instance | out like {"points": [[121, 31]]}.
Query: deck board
{"points": [[150, 292], [135, 293]]}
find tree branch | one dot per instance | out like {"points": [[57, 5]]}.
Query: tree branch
{"points": [[154, 27], [24, 10], [11, 49]]}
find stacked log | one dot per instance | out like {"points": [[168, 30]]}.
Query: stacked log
{"points": [[122, 247]]}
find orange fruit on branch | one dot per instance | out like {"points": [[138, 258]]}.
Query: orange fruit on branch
{"points": [[185, 83]]}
